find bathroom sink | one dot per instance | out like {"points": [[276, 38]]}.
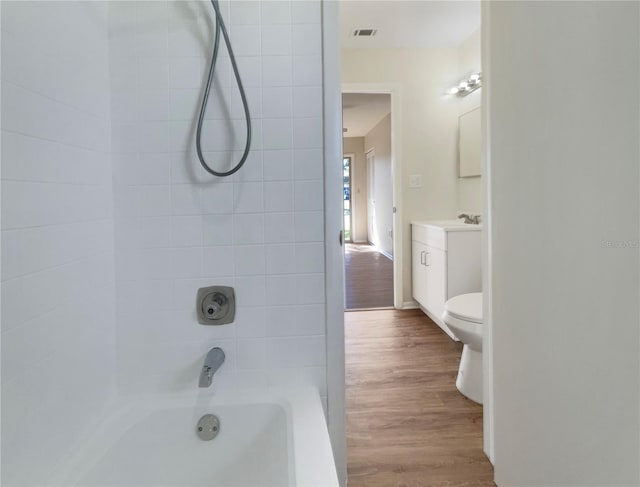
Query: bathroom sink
{"points": [[450, 225]]}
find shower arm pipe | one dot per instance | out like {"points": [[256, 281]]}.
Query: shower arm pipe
{"points": [[220, 27]]}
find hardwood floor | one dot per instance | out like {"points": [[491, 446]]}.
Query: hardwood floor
{"points": [[369, 277], [407, 424]]}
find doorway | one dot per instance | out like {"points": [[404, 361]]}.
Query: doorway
{"points": [[347, 162], [368, 201], [371, 195], [423, 147]]}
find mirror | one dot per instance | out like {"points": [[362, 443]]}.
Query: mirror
{"points": [[470, 144]]}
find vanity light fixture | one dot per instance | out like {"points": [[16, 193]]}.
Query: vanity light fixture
{"points": [[467, 85]]}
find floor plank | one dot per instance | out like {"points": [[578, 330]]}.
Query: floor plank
{"points": [[407, 424], [368, 277]]}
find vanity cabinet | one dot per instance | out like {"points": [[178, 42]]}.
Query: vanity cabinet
{"points": [[446, 262]]}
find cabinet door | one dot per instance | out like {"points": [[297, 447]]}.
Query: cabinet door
{"points": [[436, 280], [418, 272]]}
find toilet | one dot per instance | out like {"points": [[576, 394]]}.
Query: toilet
{"points": [[463, 315]]}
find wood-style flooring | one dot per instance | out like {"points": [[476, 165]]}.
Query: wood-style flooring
{"points": [[407, 424], [368, 278]]}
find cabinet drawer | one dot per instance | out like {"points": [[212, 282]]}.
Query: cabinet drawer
{"points": [[432, 236]]}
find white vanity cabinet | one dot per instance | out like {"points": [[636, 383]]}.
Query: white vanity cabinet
{"points": [[446, 262]]}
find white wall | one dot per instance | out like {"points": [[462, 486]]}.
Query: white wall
{"points": [[565, 196], [428, 121], [379, 140], [178, 229], [469, 190], [58, 320], [355, 146]]}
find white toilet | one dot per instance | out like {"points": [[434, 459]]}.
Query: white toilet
{"points": [[463, 315]]}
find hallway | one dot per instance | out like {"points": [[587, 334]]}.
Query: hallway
{"points": [[368, 278]]}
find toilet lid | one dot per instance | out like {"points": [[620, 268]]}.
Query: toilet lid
{"points": [[467, 307]]}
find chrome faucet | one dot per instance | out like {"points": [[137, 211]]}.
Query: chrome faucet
{"points": [[212, 362], [473, 219]]}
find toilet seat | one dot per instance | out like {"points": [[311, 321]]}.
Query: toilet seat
{"points": [[466, 307]]}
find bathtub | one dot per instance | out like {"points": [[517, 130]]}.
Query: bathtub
{"points": [[266, 438]]}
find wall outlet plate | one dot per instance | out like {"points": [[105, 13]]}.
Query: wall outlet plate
{"points": [[216, 305], [415, 181]]}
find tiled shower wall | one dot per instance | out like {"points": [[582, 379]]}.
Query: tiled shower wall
{"points": [[58, 298], [178, 229]]}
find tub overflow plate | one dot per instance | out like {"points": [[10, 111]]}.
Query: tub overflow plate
{"points": [[208, 427]]}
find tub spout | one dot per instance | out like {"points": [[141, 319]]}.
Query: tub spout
{"points": [[212, 362]]}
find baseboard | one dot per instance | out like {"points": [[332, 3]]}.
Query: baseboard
{"points": [[438, 321], [383, 252], [410, 305], [386, 254]]}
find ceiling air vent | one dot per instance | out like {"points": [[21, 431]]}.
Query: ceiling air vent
{"points": [[364, 32]]}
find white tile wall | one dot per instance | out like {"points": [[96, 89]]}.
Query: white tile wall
{"points": [[58, 290], [97, 148], [178, 229]]}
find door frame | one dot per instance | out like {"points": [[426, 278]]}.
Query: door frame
{"points": [[334, 251], [487, 238], [393, 90]]}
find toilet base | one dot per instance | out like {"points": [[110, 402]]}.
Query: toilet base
{"points": [[469, 381]]}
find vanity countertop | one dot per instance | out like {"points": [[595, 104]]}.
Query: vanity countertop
{"points": [[449, 225]]}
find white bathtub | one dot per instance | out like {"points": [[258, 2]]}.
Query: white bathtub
{"points": [[267, 438]]}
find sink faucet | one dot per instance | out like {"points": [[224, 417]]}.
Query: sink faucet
{"points": [[212, 362], [474, 219]]}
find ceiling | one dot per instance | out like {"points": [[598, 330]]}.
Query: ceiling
{"points": [[407, 23], [362, 111]]}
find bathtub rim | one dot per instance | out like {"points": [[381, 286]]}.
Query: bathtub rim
{"points": [[310, 450]]}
